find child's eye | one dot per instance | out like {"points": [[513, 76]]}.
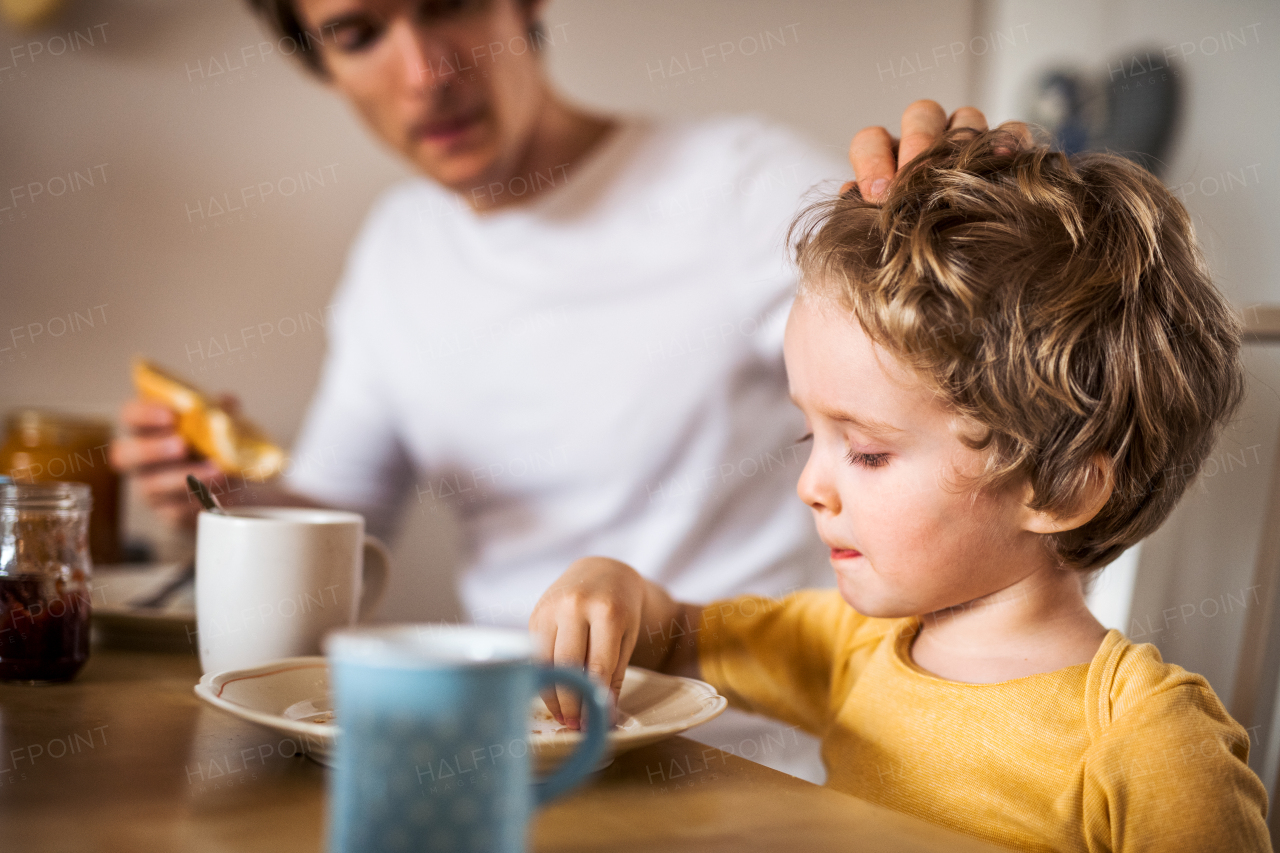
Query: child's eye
{"points": [[867, 460], [802, 439]]}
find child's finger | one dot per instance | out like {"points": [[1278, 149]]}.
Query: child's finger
{"points": [[604, 645], [605, 641], [570, 652], [544, 637], [629, 640]]}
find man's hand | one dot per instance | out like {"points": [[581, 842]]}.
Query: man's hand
{"points": [[601, 615], [158, 459], [876, 156]]}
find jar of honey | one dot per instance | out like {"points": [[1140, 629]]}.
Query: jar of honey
{"points": [[52, 447], [44, 580]]}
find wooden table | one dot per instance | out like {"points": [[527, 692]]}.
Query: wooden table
{"points": [[126, 758]]}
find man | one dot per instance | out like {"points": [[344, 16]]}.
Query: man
{"points": [[568, 332]]}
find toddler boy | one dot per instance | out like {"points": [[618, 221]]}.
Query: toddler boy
{"points": [[1006, 367]]}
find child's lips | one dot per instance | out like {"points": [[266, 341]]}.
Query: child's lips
{"points": [[844, 553]]}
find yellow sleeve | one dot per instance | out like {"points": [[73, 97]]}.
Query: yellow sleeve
{"points": [[1170, 773], [779, 657]]}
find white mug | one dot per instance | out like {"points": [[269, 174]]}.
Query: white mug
{"points": [[272, 581]]}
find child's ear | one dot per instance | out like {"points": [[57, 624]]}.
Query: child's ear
{"points": [[1099, 483]]}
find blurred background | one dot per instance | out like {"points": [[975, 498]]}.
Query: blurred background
{"points": [[125, 125]]}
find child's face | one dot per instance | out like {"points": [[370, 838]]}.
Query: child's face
{"points": [[885, 478]]}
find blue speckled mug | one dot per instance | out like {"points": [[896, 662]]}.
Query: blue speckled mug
{"points": [[433, 749]]}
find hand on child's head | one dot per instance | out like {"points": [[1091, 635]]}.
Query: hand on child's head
{"points": [[876, 155]]}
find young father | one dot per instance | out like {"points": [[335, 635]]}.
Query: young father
{"points": [[567, 331]]}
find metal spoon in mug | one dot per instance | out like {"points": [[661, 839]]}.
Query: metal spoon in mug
{"points": [[206, 498]]}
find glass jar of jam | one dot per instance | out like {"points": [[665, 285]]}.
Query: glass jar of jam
{"points": [[44, 580], [50, 446]]}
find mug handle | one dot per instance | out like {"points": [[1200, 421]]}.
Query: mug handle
{"points": [[374, 582], [584, 759]]}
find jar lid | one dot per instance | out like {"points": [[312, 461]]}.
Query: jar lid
{"points": [[48, 497], [40, 427]]}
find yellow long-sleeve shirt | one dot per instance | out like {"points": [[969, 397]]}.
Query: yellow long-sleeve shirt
{"points": [[1125, 753]]}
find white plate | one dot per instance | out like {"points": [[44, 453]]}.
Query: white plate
{"points": [[289, 695], [115, 590], [121, 623]]}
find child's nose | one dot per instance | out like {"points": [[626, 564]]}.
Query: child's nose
{"points": [[816, 486]]}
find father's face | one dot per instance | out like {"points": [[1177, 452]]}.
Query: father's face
{"points": [[453, 85]]}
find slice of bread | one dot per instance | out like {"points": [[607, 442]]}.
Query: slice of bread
{"points": [[234, 444]]}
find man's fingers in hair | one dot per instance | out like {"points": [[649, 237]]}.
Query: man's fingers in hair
{"points": [[1021, 131], [971, 117], [871, 153], [922, 123]]}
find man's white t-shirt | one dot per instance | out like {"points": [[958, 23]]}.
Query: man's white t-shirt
{"points": [[598, 371]]}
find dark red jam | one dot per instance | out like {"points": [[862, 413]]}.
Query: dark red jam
{"points": [[44, 628]]}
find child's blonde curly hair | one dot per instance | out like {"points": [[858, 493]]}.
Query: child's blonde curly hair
{"points": [[1060, 303]]}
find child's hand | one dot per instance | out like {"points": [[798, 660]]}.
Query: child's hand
{"points": [[591, 618]]}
